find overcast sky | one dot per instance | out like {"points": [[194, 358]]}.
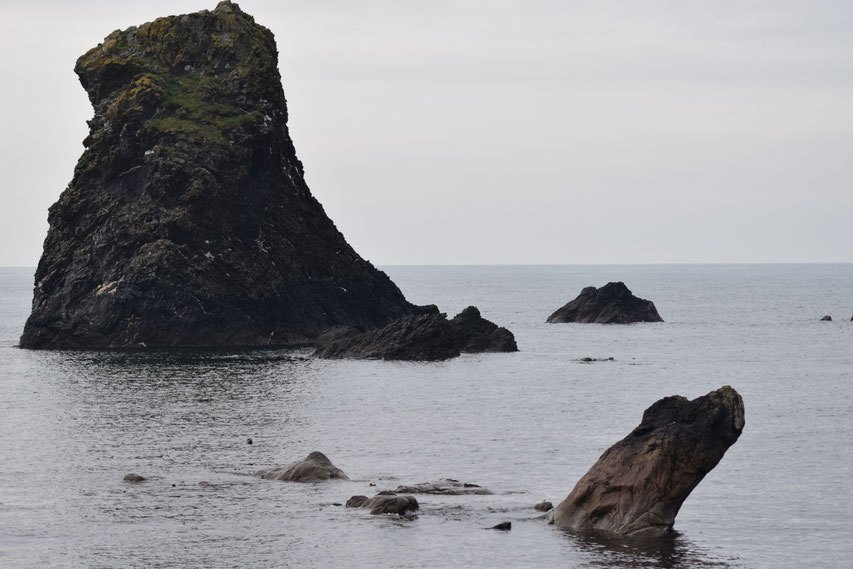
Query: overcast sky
{"points": [[489, 131]]}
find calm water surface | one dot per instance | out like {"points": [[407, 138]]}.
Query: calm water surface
{"points": [[526, 425]]}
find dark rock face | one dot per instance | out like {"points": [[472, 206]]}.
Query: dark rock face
{"points": [[188, 221], [473, 333], [424, 337], [429, 336], [826, 318], [385, 503], [639, 484], [611, 304], [315, 467], [444, 487]]}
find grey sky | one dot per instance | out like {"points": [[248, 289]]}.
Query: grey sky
{"points": [[532, 131]]}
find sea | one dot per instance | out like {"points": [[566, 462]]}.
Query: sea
{"points": [[525, 425]]}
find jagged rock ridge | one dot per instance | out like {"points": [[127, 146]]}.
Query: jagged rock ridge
{"points": [[188, 221], [428, 336]]}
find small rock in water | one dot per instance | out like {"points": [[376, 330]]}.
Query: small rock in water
{"points": [[445, 487], [356, 501], [503, 526], [134, 478], [827, 318], [313, 468], [385, 503], [543, 506], [248, 441]]}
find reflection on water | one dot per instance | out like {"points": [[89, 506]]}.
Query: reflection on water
{"points": [[672, 551]]}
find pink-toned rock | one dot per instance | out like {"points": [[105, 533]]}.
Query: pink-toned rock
{"points": [[639, 484]]}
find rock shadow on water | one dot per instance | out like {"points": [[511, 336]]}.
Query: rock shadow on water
{"points": [[671, 551]]}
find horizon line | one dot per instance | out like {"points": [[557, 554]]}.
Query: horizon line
{"points": [[650, 264]]}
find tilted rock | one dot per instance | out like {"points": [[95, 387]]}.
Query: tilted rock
{"points": [[639, 484], [444, 487], [473, 333], [429, 336], [385, 503], [611, 304], [315, 467], [188, 221]]}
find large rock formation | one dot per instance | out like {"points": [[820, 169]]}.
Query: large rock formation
{"points": [[639, 484], [188, 221], [313, 468], [611, 304], [422, 337]]}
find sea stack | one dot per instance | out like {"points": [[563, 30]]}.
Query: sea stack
{"points": [[611, 304], [188, 222], [639, 484]]}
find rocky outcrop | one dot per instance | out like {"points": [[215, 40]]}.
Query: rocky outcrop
{"points": [[315, 467], [188, 221], [385, 503], [474, 334], [423, 337], [443, 487], [611, 304], [639, 484]]}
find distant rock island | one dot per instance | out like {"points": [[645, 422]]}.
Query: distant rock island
{"points": [[611, 304], [188, 222]]}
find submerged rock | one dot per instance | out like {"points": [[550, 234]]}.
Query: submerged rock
{"points": [[188, 221], [134, 478], [315, 467], [503, 526], [611, 304], [474, 334], [445, 487], [385, 503], [639, 484], [424, 337]]}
